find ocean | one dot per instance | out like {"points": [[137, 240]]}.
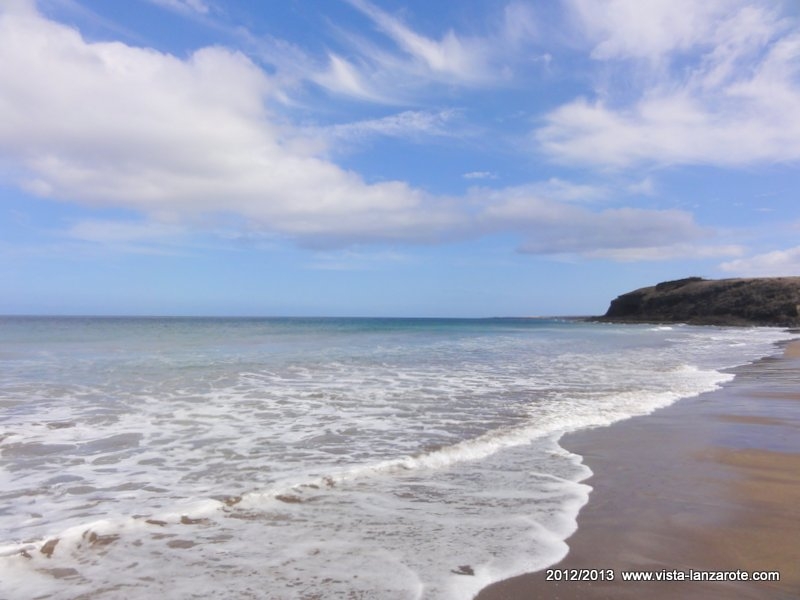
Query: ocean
{"points": [[314, 458]]}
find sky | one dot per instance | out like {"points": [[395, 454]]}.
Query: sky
{"points": [[391, 158]]}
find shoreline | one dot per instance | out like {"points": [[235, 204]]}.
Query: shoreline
{"points": [[708, 483]]}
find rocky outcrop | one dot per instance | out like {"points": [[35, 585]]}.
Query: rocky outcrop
{"points": [[759, 301]]}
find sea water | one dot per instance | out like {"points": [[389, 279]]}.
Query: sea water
{"points": [[314, 458]]}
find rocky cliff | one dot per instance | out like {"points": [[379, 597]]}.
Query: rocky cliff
{"points": [[761, 301]]}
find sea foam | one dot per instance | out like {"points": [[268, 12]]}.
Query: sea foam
{"points": [[385, 459]]}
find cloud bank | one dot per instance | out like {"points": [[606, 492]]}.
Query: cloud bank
{"points": [[190, 141]]}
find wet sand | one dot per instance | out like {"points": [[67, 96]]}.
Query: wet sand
{"points": [[709, 483]]}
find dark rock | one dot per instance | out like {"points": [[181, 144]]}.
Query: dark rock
{"points": [[188, 521], [63, 573], [49, 547], [180, 543], [100, 540], [156, 522], [771, 301], [289, 498]]}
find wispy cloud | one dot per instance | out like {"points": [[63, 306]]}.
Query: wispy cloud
{"points": [[395, 64], [402, 61], [644, 187], [196, 139], [409, 124], [451, 57], [551, 221], [184, 6], [674, 251], [551, 190], [343, 77], [480, 175], [198, 144], [628, 29], [775, 263], [720, 84]]}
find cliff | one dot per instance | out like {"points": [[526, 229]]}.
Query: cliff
{"points": [[759, 301]]}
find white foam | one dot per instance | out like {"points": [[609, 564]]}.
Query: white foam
{"points": [[369, 467]]}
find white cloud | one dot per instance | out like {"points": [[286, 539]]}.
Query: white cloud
{"points": [[462, 59], [550, 225], [587, 232], [770, 264], [343, 77], [551, 191], [479, 175], [651, 29], [184, 6], [674, 251], [186, 142], [394, 67], [644, 187], [112, 125], [725, 90], [409, 124]]}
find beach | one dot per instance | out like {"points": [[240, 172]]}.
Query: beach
{"points": [[710, 483]]}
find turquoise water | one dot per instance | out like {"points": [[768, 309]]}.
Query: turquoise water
{"points": [[303, 458]]}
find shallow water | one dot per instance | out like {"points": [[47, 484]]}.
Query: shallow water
{"points": [[305, 458]]}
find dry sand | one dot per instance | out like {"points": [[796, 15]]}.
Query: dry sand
{"points": [[709, 483]]}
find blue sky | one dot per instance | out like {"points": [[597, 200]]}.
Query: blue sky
{"points": [[348, 157]]}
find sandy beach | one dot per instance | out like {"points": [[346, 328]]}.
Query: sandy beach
{"points": [[709, 483]]}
